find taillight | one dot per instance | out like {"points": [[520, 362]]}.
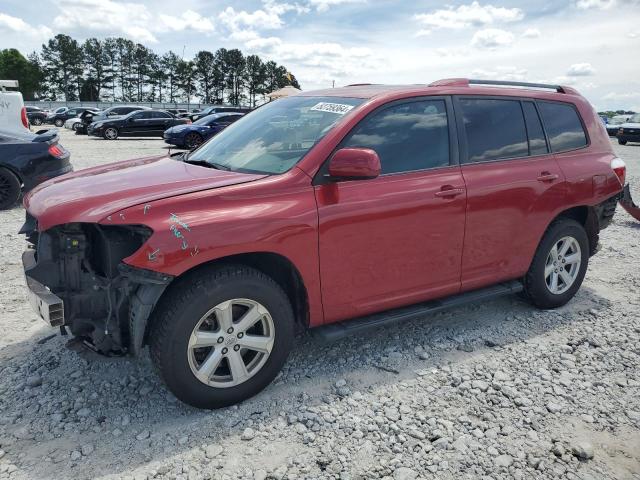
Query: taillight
{"points": [[23, 116], [57, 151], [620, 169]]}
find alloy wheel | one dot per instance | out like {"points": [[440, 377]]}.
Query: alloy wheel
{"points": [[562, 265], [37, 122], [193, 140], [5, 189], [111, 134], [231, 343]]}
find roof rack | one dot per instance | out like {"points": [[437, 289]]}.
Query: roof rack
{"points": [[464, 82], [358, 84]]}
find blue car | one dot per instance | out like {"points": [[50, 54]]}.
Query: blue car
{"points": [[192, 135]]}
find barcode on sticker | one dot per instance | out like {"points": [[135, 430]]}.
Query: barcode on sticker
{"points": [[338, 108]]}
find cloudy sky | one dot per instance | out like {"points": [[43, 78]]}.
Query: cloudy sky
{"points": [[590, 44]]}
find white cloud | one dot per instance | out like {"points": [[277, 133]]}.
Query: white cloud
{"points": [[492, 38], [599, 4], [17, 25], [622, 96], [581, 70], [189, 20], [258, 19], [324, 5], [510, 73], [470, 15], [531, 33]]}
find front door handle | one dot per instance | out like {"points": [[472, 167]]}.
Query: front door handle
{"points": [[449, 192], [548, 177]]}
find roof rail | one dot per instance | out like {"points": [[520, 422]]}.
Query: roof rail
{"points": [[464, 82], [358, 84]]}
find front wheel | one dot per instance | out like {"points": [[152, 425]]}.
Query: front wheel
{"points": [[559, 265], [221, 335], [622, 142], [58, 122], [110, 133], [193, 140]]}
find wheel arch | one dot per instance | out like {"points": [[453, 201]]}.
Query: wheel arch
{"points": [[586, 216], [281, 269]]}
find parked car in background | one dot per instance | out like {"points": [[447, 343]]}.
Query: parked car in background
{"points": [[27, 159], [217, 109], [13, 114], [75, 122], [177, 112], [630, 130], [345, 209], [192, 135], [58, 118], [145, 123], [36, 115], [613, 124], [117, 111]]}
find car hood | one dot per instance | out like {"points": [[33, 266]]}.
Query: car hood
{"points": [[92, 194]]}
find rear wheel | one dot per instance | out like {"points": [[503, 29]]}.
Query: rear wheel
{"points": [[221, 335], [75, 126], [110, 133], [559, 265], [193, 140], [622, 142], [36, 121], [9, 188], [58, 122]]}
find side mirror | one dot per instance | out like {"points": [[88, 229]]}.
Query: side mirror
{"points": [[354, 164]]}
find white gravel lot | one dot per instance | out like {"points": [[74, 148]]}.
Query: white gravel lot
{"points": [[494, 390]]}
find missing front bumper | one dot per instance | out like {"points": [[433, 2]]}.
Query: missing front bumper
{"points": [[46, 304]]}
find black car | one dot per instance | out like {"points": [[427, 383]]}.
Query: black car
{"points": [[60, 116], [146, 123], [613, 124], [36, 115], [27, 159], [118, 111], [217, 109]]}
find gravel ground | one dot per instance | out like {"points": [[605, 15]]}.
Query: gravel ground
{"points": [[494, 390]]}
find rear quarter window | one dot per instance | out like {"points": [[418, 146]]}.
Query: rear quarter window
{"points": [[563, 126]]}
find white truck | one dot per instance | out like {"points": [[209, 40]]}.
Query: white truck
{"points": [[13, 114]]}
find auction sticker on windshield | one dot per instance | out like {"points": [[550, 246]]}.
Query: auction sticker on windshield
{"points": [[338, 108]]}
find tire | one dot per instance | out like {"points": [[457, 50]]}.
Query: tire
{"points": [[110, 133], [539, 288], [193, 140], [622, 142], [58, 122], [75, 126], [36, 122], [183, 310], [9, 188]]}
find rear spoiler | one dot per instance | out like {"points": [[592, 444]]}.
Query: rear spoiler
{"points": [[46, 136]]}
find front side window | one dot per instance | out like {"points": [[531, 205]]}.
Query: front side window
{"points": [[275, 137], [563, 126], [160, 115], [495, 129], [407, 137]]}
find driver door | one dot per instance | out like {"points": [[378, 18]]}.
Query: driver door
{"points": [[397, 239]]}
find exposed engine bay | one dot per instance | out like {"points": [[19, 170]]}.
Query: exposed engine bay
{"points": [[101, 300]]}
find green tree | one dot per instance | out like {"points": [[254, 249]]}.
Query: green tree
{"points": [[62, 59], [111, 67], [219, 74], [13, 66], [255, 78], [236, 65], [186, 78], [141, 70], [205, 74], [97, 63], [169, 63], [125, 51]]}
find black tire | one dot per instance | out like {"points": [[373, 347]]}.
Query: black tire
{"points": [[110, 133], [36, 121], [535, 283], [58, 122], [193, 140], [182, 307], [9, 188], [75, 126], [622, 142]]}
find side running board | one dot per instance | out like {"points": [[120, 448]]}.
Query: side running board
{"points": [[336, 331]]}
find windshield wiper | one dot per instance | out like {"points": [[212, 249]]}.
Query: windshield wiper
{"points": [[204, 163]]}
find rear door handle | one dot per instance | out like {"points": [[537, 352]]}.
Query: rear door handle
{"points": [[547, 177], [449, 192]]}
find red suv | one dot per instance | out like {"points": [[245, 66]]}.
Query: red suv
{"points": [[341, 209]]}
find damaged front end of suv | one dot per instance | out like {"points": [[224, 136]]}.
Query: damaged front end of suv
{"points": [[89, 290]]}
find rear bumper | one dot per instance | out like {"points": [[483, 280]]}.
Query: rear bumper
{"points": [[48, 306]]}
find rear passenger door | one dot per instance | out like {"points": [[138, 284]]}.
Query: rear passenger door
{"points": [[396, 239], [159, 122], [513, 185]]}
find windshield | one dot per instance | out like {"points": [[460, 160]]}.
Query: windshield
{"points": [[205, 120], [273, 138], [635, 118]]}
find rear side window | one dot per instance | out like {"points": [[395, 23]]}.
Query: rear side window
{"points": [[406, 137], [563, 126], [537, 142], [495, 129]]}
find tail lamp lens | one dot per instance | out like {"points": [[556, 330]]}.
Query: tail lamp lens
{"points": [[620, 169], [23, 117], [57, 151]]}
